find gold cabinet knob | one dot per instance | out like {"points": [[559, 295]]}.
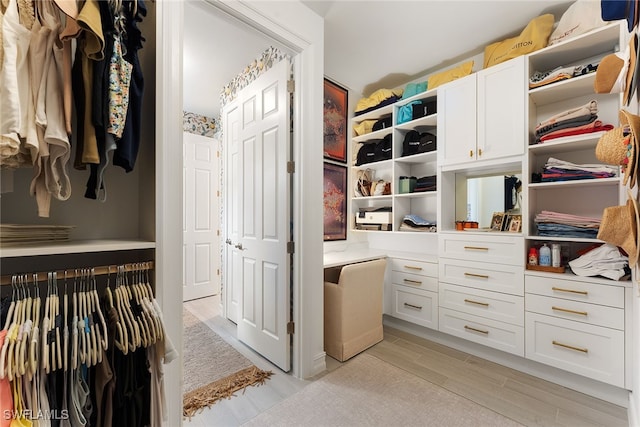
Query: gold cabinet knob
{"points": [[479, 151], [470, 153]]}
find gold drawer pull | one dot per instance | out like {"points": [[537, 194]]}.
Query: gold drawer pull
{"points": [[411, 267], [566, 310], [470, 301], [570, 347], [475, 248], [413, 282], [469, 328], [417, 307], [482, 276], [570, 291], [479, 151], [470, 153]]}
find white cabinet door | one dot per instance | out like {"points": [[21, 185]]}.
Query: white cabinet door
{"points": [[457, 121], [501, 110]]}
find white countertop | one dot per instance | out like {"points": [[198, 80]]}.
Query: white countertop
{"points": [[349, 256]]}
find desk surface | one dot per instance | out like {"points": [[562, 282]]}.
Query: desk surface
{"points": [[337, 258]]}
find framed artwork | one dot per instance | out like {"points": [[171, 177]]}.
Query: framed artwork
{"points": [[335, 122], [496, 221], [335, 202]]}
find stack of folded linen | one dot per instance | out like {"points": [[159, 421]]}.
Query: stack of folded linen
{"points": [[560, 170], [605, 260], [417, 223], [574, 121], [566, 225]]}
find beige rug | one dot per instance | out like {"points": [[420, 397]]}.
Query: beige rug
{"points": [[213, 369], [367, 391]]}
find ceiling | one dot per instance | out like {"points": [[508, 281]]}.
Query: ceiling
{"points": [[368, 44]]}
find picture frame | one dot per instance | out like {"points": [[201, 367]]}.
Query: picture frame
{"points": [[497, 221], [335, 202], [335, 121], [515, 223]]}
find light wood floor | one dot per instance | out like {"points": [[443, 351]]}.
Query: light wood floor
{"points": [[521, 397]]}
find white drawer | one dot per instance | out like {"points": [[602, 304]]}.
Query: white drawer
{"points": [[492, 305], [415, 305], [415, 280], [414, 267], [592, 314], [594, 293], [499, 335], [587, 350], [492, 277], [478, 247]]}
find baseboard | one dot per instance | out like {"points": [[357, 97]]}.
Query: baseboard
{"points": [[597, 389], [632, 411], [319, 363]]}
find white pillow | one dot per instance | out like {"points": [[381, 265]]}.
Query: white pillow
{"points": [[582, 16]]}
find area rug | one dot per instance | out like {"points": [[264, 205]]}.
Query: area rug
{"points": [[367, 391], [213, 369]]}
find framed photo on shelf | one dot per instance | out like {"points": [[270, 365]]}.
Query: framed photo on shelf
{"points": [[515, 223], [335, 202], [335, 122], [497, 221]]}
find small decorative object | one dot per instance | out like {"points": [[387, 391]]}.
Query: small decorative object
{"points": [[533, 256], [497, 220], [335, 202], [545, 256], [556, 257], [515, 223], [335, 122]]}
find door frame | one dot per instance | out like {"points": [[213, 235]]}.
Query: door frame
{"points": [[296, 25], [300, 29]]}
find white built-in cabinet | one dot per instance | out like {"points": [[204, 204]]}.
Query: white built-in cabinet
{"points": [[485, 294], [485, 115]]}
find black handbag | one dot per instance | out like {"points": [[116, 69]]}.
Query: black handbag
{"points": [[366, 153], [383, 149], [411, 143], [427, 142], [424, 108], [382, 124]]}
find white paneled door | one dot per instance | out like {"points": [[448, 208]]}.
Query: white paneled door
{"points": [[201, 244], [257, 187]]}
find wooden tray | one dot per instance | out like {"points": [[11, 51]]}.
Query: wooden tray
{"points": [[548, 269]]}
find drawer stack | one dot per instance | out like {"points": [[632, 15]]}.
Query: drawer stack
{"points": [[481, 289], [413, 289], [577, 326]]}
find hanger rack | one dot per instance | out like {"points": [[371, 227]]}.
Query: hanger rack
{"points": [[73, 273]]}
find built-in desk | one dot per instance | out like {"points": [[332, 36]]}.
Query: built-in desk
{"points": [[338, 258]]}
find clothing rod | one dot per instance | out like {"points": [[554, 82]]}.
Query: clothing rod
{"points": [[77, 272]]}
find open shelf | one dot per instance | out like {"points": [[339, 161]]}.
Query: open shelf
{"points": [[75, 246]]}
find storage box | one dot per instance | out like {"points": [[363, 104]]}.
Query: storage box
{"points": [[407, 184], [374, 218]]}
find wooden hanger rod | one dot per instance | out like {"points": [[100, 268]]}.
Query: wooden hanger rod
{"points": [[76, 272]]}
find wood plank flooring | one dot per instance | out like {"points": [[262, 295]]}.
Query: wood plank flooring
{"points": [[524, 398]]}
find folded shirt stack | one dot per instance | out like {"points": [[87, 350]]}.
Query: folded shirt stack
{"points": [[560, 170], [426, 183], [555, 224], [417, 223], [605, 260], [542, 78], [569, 119]]}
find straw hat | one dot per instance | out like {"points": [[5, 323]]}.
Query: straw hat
{"points": [[620, 226], [633, 47], [615, 71], [619, 146]]}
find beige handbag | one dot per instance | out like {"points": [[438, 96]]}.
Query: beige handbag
{"points": [[363, 184]]}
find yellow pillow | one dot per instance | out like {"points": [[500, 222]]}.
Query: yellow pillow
{"points": [[535, 36], [446, 76]]}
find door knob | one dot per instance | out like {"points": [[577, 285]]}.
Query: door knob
{"points": [[239, 246], [228, 242]]}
